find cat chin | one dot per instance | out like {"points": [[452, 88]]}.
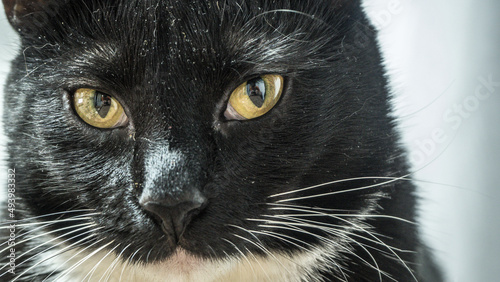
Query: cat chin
{"points": [[182, 266]]}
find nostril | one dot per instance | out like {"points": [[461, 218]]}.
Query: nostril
{"points": [[175, 214]]}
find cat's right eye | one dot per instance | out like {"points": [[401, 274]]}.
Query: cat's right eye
{"points": [[99, 109]]}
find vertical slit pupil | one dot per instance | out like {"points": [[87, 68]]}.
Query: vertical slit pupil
{"points": [[256, 90], [102, 104]]}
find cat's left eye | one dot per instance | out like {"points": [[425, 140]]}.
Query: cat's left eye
{"points": [[99, 109], [254, 98]]}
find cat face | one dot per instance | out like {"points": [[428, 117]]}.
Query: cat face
{"points": [[216, 129]]}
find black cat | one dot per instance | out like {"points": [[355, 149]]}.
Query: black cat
{"points": [[204, 141]]}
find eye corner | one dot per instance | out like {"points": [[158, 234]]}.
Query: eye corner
{"points": [[230, 114]]}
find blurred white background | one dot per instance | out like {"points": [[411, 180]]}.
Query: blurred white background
{"points": [[443, 60]]}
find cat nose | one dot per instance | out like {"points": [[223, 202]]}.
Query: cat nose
{"points": [[175, 212]]}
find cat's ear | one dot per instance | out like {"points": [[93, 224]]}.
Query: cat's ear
{"points": [[28, 16]]}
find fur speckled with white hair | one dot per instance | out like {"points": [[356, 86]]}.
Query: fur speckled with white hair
{"points": [[317, 189]]}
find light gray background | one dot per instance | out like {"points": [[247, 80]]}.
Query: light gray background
{"points": [[436, 52]]}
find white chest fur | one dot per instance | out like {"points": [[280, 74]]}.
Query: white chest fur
{"points": [[183, 267]]}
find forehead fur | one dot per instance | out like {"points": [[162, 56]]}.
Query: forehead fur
{"points": [[185, 25]]}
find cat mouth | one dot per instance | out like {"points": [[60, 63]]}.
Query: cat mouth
{"points": [[182, 260], [181, 263]]}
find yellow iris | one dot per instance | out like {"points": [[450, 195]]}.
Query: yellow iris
{"points": [[255, 97], [99, 109]]}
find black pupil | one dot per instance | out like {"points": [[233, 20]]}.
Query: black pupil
{"points": [[256, 90], [102, 104]]}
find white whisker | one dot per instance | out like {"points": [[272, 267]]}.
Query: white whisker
{"points": [[52, 256], [353, 215], [306, 207], [53, 246], [314, 212], [341, 191], [292, 227], [69, 270], [48, 233], [79, 252], [92, 271], [127, 263], [333, 225], [76, 218], [113, 265], [261, 247], [241, 253], [29, 232], [260, 265], [391, 179], [147, 256], [45, 215]]}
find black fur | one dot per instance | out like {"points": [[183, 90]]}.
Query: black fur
{"points": [[173, 64]]}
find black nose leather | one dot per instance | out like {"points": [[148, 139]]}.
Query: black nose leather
{"points": [[175, 213]]}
